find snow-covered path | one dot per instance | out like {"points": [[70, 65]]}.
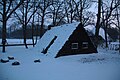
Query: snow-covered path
{"points": [[104, 65]]}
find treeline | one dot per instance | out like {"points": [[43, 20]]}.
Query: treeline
{"points": [[42, 12], [18, 33]]}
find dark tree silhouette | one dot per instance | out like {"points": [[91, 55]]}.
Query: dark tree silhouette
{"points": [[43, 6], [98, 21], [107, 16], [24, 18], [7, 11]]}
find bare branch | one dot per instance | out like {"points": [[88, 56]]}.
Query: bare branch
{"points": [[39, 13], [60, 20], [9, 7], [1, 3], [31, 16], [1, 13], [41, 8], [1, 20], [21, 1], [47, 13], [18, 18]]}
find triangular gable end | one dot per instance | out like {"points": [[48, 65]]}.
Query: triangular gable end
{"points": [[78, 43]]}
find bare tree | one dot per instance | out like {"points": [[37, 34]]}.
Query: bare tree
{"points": [[27, 11], [58, 13], [107, 15], [70, 9], [67, 12], [76, 10], [82, 7], [89, 18], [7, 11], [33, 21], [43, 6], [118, 19]]}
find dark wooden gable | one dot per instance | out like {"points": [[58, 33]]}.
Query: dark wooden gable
{"points": [[78, 43]]}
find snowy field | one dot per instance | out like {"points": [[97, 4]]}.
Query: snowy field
{"points": [[104, 65], [16, 41]]}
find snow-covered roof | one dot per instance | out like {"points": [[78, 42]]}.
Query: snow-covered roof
{"points": [[91, 28], [62, 32]]}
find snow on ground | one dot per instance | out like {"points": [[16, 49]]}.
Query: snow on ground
{"points": [[104, 65], [16, 41]]}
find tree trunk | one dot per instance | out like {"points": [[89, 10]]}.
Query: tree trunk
{"points": [[54, 16], [33, 31], [98, 22], [81, 11], [71, 16], [36, 34], [24, 35], [25, 24], [33, 26], [98, 19], [106, 39], [4, 35], [41, 28], [4, 26], [67, 15]]}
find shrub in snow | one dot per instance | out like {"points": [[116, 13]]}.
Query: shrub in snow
{"points": [[117, 49], [10, 57], [16, 63], [101, 59], [84, 60], [4, 60], [37, 60], [91, 59]]}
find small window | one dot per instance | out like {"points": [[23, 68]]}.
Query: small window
{"points": [[84, 45], [74, 46]]}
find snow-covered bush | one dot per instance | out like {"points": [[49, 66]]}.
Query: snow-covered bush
{"points": [[4, 60], [11, 58], [16, 63], [37, 60]]}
